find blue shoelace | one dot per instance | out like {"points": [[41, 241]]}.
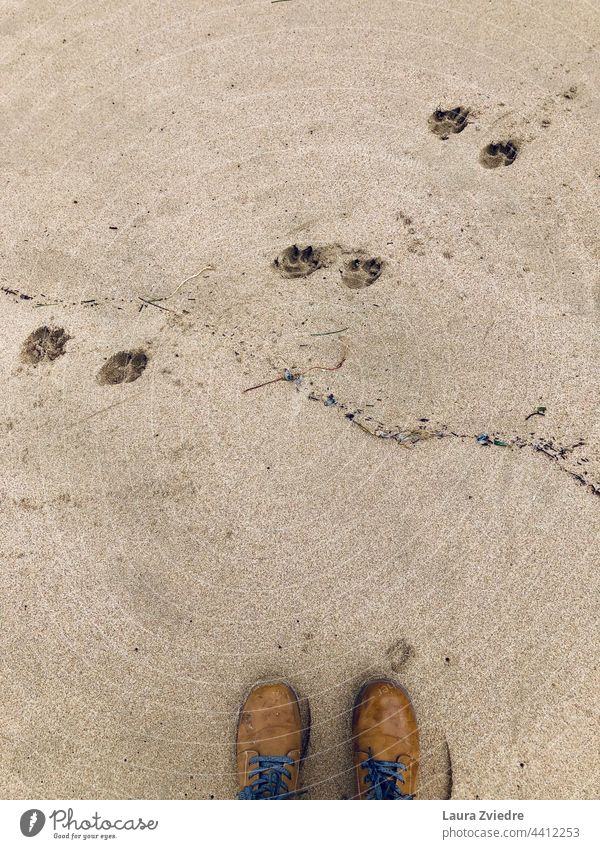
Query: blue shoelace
{"points": [[382, 778], [271, 778]]}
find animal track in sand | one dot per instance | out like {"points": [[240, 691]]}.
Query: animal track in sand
{"points": [[498, 153], [360, 272], [399, 653], [445, 122], [124, 367], [298, 262], [45, 343]]}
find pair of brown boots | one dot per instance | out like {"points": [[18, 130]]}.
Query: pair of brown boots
{"points": [[272, 740]]}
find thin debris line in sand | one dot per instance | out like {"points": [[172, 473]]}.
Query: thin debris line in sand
{"points": [[104, 410], [155, 302], [410, 436], [96, 302]]}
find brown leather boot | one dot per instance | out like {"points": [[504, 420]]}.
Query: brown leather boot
{"points": [[386, 742], [271, 742]]}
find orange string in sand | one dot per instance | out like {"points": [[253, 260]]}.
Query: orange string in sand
{"points": [[296, 376]]}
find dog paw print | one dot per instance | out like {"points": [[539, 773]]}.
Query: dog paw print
{"points": [[358, 273], [297, 262], [496, 154], [45, 343], [445, 122], [124, 367]]}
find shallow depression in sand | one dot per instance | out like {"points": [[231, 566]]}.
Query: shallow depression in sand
{"points": [[124, 367]]}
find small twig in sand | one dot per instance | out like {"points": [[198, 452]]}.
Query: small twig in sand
{"points": [[539, 411], [158, 306], [183, 282], [290, 376], [266, 383], [329, 332], [362, 427]]}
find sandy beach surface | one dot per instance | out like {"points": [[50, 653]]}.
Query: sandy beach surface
{"points": [[416, 496]]}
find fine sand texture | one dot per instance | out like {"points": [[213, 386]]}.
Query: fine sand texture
{"points": [[386, 211]]}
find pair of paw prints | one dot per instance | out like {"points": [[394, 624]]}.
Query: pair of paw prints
{"points": [[445, 122], [48, 343], [357, 272]]}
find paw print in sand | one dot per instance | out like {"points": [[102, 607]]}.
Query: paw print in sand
{"points": [[297, 262], [444, 122], [498, 153], [44, 344], [124, 367], [359, 272]]}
